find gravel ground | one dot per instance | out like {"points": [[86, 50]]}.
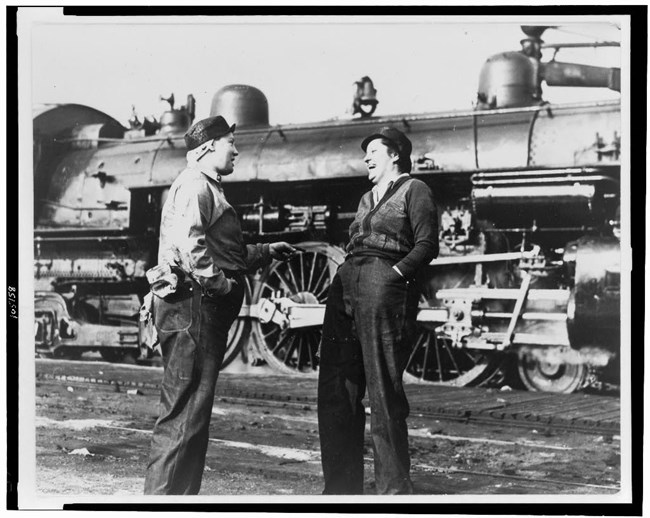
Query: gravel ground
{"points": [[92, 441]]}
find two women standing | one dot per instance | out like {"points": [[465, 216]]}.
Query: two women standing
{"points": [[369, 321]]}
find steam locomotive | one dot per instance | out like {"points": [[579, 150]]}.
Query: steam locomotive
{"points": [[527, 283]]}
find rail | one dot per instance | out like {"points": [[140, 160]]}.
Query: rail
{"points": [[529, 410]]}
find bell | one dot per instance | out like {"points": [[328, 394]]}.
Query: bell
{"points": [[365, 98], [368, 92]]}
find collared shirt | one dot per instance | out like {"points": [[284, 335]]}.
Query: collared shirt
{"points": [[378, 193], [201, 233]]}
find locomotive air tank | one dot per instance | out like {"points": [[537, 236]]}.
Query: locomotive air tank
{"points": [[528, 196]]}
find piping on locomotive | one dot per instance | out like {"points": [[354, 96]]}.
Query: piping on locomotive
{"points": [[528, 278]]}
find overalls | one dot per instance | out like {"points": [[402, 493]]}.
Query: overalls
{"points": [[368, 334], [193, 332], [367, 337]]}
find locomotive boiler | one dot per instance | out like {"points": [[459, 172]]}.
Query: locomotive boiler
{"points": [[527, 283]]}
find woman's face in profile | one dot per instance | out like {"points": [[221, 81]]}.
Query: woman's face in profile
{"points": [[380, 161]]}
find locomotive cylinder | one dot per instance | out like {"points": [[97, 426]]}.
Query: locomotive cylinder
{"points": [[594, 305]]}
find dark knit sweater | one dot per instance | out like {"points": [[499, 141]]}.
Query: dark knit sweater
{"points": [[402, 227]]}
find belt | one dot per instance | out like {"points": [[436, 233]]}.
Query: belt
{"points": [[187, 280], [395, 257], [232, 273]]}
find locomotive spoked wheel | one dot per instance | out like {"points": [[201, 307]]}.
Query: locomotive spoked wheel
{"points": [[434, 359], [239, 331], [543, 376], [305, 278]]}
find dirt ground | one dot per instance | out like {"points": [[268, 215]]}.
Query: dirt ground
{"points": [[93, 441]]}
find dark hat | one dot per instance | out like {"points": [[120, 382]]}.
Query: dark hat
{"points": [[399, 140], [206, 130]]}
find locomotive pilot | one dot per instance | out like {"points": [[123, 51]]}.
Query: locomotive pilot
{"points": [[369, 322], [202, 249]]}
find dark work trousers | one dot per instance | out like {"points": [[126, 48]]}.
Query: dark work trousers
{"points": [[367, 338], [193, 331]]}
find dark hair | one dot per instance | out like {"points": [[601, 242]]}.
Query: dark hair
{"points": [[404, 162]]}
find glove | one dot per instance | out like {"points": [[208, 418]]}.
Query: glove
{"points": [[162, 280]]}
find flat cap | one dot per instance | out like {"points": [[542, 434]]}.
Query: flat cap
{"points": [[399, 140], [206, 130]]}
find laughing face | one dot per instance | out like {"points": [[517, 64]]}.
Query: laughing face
{"points": [[380, 160]]}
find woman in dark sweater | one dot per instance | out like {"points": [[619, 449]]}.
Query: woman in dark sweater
{"points": [[369, 322]]}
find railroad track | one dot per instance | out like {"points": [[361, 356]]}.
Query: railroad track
{"points": [[585, 413]]}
